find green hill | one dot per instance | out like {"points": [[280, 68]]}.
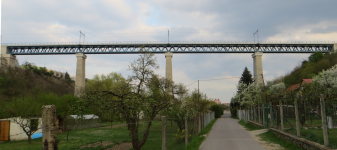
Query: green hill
{"points": [[309, 68]]}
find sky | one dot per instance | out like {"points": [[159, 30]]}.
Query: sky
{"points": [[35, 21]]}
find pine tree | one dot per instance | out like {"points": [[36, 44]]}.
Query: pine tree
{"points": [[67, 78], [246, 77]]}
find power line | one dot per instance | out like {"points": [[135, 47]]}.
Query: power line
{"points": [[220, 79], [191, 83], [212, 79], [163, 32]]}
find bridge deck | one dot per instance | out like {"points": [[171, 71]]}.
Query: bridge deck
{"points": [[169, 47]]}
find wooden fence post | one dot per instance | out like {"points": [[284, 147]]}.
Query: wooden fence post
{"points": [[324, 126], [163, 129], [186, 131], [297, 118]]}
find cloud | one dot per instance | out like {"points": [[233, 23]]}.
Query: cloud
{"points": [[188, 20]]}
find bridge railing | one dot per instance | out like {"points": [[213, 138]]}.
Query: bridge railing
{"points": [[165, 42]]}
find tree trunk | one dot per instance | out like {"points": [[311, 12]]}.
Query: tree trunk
{"points": [[30, 139]]}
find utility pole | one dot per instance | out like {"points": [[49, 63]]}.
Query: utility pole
{"points": [[256, 33], [168, 37], [81, 33]]}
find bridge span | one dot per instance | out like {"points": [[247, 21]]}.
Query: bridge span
{"points": [[131, 48], [9, 51]]}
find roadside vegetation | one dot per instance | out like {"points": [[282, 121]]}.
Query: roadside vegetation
{"points": [[271, 137], [306, 84], [195, 143], [137, 101], [248, 126]]}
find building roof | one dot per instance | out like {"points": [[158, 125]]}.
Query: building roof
{"points": [[307, 81], [91, 116], [217, 101], [293, 87]]}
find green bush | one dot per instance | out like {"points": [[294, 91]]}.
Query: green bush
{"points": [[180, 136], [233, 112], [218, 110]]}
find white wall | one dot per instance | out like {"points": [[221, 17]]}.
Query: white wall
{"points": [[15, 131]]}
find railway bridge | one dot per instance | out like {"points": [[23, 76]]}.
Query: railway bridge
{"points": [[9, 52]]}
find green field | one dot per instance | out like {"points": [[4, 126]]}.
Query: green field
{"points": [[78, 138]]}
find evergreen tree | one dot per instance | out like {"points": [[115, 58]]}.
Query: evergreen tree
{"points": [[315, 57], [67, 78], [246, 77]]}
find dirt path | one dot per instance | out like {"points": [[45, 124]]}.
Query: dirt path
{"points": [[265, 144]]}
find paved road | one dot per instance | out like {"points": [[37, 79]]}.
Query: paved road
{"points": [[227, 134]]}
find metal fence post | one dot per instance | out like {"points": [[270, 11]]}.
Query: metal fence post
{"points": [[259, 113], [281, 115], [297, 118], [186, 131], [199, 123], [203, 120], [325, 129], [254, 114], [271, 115], [163, 129], [259, 109]]}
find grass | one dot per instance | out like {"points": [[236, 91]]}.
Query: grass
{"points": [[311, 121], [316, 135], [196, 141], [77, 138], [105, 124], [82, 137], [248, 126], [271, 137]]}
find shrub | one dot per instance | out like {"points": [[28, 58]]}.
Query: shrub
{"points": [[180, 136], [218, 110], [233, 112]]}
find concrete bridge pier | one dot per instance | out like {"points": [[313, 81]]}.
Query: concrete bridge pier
{"points": [[168, 56], [258, 70], [334, 48], [168, 75], [9, 59], [80, 74]]}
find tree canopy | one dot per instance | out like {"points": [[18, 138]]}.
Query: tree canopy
{"points": [[246, 77]]}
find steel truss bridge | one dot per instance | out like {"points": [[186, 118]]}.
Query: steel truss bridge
{"points": [[169, 47]]}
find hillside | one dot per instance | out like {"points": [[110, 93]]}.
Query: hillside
{"points": [[20, 83], [309, 68]]}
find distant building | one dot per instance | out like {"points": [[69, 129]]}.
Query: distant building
{"points": [[217, 101], [226, 104]]}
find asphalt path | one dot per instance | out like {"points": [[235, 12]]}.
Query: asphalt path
{"points": [[228, 134]]}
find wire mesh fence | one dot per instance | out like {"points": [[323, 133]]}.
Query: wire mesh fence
{"points": [[312, 117]]}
